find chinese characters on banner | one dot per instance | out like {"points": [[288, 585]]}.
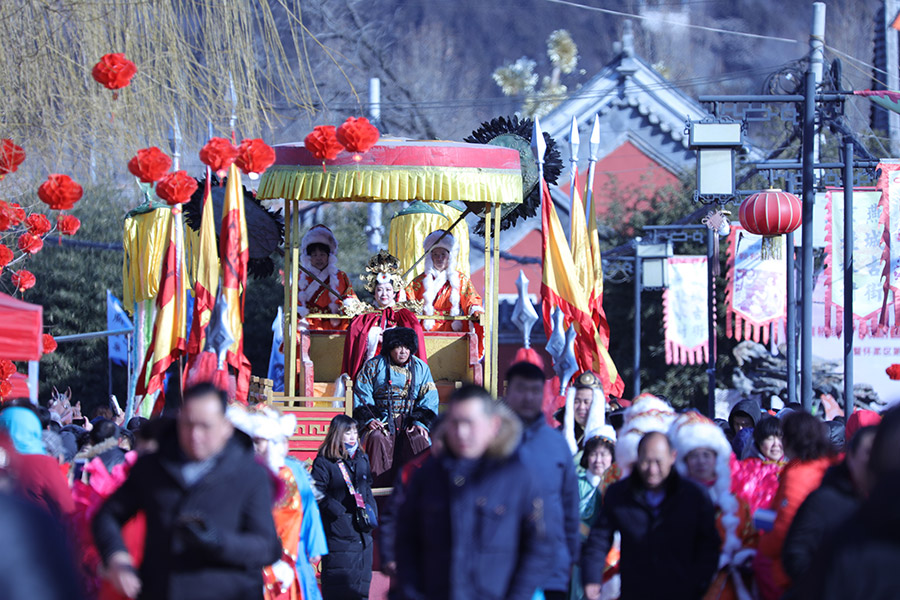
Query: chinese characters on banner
{"points": [[685, 303], [755, 289]]}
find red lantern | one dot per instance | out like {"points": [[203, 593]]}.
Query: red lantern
{"points": [[771, 213], [30, 244], [60, 192], [6, 255], [11, 156], [254, 157], [68, 225], [357, 135], [149, 164], [38, 224], [176, 188], [322, 143], [49, 344], [7, 369], [23, 280], [218, 154], [114, 72], [18, 212], [893, 372], [8, 216]]}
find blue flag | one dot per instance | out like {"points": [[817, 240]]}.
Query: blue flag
{"points": [[117, 318], [276, 357]]}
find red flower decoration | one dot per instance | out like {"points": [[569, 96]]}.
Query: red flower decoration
{"points": [[11, 156], [7, 216], [30, 244], [7, 369], [49, 344], [893, 372], [357, 135], [114, 72], [322, 143], [23, 280], [149, 164], [38, 224], [18, 212], [176, 188], [60, 192], [218, 154], [254, 157], [5, 389], [67, 224], [6, 255]]}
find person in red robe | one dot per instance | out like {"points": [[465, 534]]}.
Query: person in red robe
{"points": [[383, 278], [319, 256]]}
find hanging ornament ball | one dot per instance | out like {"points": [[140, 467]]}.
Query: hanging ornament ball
{"points": [[176, 188], [23, 280], [114, 72], [60, 192], [6, 255], [771, 214], [50, 344], [218, 154], [254, 157], [357, 134], [68, 225], [11, 156], [149, 164], [322, 143], [9, 215], [30, 243], [38, 224]]}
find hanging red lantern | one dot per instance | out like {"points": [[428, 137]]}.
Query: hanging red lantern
{"points": [[11, 156], [357, 135], [254, 157], [38, 224], [322, 143], [176, 188], [50, 344], [68, 225], [6, 255], [23, 280], [218, 154], [114, 72], [771, 214], [8, 216], [149, 164], [18, 212], [30, 244], [60, 192]]}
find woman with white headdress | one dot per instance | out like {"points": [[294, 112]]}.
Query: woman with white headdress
{"points": [[318, 257]]}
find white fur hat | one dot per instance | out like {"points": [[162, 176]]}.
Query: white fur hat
{"points": [[265, 423], [319, 234], [448, 242], [647, 413]]}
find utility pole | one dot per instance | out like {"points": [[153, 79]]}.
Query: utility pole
{"points": [[374, 229]]}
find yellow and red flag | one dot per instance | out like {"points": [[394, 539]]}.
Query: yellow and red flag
{"points": [[206, 275], [235, 255]]}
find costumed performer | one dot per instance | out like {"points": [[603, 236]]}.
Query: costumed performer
{"points": [[581, 397], [395, 401], [296, 512], [384, 279], [319, 256]]}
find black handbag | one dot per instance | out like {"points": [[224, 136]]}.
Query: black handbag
{"points": [[364, 518]]}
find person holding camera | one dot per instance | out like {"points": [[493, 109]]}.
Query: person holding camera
{"points": [[341, 472]]}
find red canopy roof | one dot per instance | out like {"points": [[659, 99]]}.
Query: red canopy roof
{"points": [[21, 329]]}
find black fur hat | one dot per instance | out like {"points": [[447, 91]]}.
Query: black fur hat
{"points": [[399, 336]]}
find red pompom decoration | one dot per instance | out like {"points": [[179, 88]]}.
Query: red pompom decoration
{"points": [[19, 213], [254, 157], [8, 216], [893, 372], [49, 344], [5, 389], [7, 369], [6, 255], [68, 225], [176, 188], [23, 280], [114, 72], [30, 244], [218, 154], [322, 143], [149, 164], [11, 156], [38, 224], [60, 192], [357, 135]]}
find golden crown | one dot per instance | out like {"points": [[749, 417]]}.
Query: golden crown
{"points": [[383, 268]]}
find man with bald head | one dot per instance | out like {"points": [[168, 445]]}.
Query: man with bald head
{"points": [[670, 546]]}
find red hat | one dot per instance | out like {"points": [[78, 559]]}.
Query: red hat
{"points": [[858, 420]]}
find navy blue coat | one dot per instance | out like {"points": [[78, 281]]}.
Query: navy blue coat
{"points": [[546, 453], [471, 530]]}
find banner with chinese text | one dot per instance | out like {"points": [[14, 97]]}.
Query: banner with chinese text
{"points": [[685, 304]]}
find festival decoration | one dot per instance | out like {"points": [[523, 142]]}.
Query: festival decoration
{"points": [[889, 185], [770, 213], [68, 225], [6, 256], [254, 157], [114, 72], [149, 164], [38, 224], [893, 372], [323, 144], [30, 243], [11, 156], [218, 154], [176, 188], [23, 280], [357, 135], [9, 216], [685, 303], [18, 211], [50, 344], [59, 192], [755, 289], [7, 370], [205, 276]]}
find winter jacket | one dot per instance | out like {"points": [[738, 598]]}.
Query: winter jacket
{"points": [[749, 407], [547, 454], [347, 569], [181, 560], [41, 482], [473, 528], [823, 511], [671, 552], [387, 518]]}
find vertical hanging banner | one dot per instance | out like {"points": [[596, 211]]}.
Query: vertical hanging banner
{"points": [[755, 289], [685, 302], [870, 257], [889, 185], [116, 318]]}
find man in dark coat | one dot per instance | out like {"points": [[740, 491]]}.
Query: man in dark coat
{"points": [[471, 525], [208, 506], [670, 546], [547, 454]]}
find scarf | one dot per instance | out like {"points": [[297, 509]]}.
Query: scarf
{"points": [[24, 429]]}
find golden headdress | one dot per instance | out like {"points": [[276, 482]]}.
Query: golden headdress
{"points": [[383, 268]]}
